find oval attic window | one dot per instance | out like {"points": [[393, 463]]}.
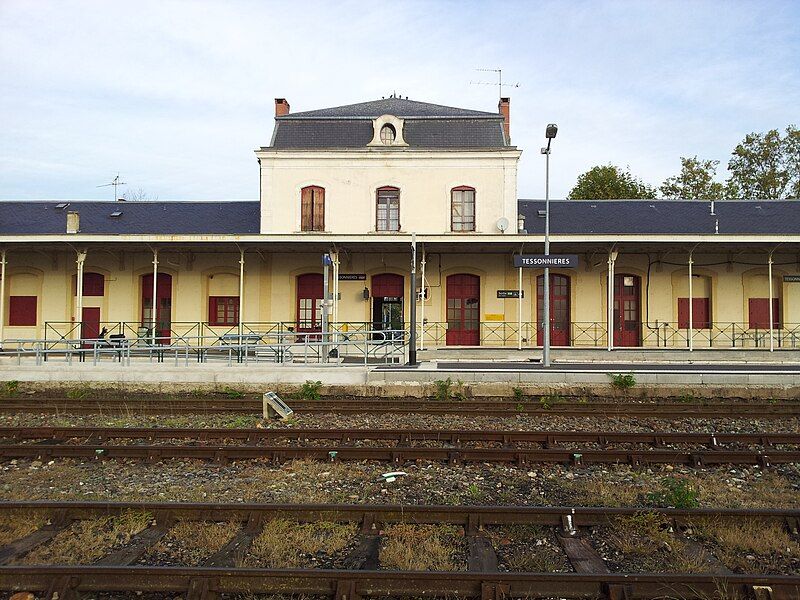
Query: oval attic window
{"points": [[388, 134]]}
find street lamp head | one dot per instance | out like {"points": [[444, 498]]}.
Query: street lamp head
{"points": [[551, 131]]}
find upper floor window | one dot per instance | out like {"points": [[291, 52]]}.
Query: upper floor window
{"points": [[387, 214], [312, 208], [462, 209], [388, 134]]}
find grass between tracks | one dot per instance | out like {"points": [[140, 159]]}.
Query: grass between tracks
{"points": [[423, 548], [17, 524], [286, 544]]}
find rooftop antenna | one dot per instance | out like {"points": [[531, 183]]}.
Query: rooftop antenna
{"points": [[115, 182], [500, 85]]}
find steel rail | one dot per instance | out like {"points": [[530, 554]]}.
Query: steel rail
{"points": [[470, 516], [399, 454], [204, 583], [624, 408], [546, 438]]}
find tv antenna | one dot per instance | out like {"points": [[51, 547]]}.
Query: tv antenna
{"points": [[500, 85], [115, 182]]}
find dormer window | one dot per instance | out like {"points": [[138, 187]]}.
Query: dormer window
{"points": [[388, 134], [387, 130]]}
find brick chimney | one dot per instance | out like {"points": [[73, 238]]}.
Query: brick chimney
{"points": [[281, 107], [504, 107]]}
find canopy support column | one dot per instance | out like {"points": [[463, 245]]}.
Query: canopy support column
{"points": [[612, 257], [154, 301], [2, 295], [80, 261]]}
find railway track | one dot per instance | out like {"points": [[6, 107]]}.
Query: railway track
{"points": [[502, 408], [398, 446], [119, 569]]}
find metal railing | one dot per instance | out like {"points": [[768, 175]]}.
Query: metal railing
{"points": [[250, 346]]}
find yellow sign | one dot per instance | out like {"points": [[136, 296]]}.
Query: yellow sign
{"points": [[493, 317]]}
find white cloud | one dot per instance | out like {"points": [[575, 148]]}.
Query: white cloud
{"points": [[176, 95]]}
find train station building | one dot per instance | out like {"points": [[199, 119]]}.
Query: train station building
{"points": [[355, 183]]}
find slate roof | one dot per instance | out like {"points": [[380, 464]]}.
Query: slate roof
{"points": [[425, 126], [664, 217], [599, 217], [158, 217]]}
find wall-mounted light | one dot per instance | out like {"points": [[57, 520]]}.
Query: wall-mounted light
{"points": [[366, 293]]}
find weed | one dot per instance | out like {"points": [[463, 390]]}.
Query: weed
{"points": [[443, 389], [9, 389], [547, 402], [422, 547], [232, 394], [677, 493], [287, 544], [519, 395], [622, 381], [79, 393], [687, 398], [310, 390], [474, 492], [520, 407]]}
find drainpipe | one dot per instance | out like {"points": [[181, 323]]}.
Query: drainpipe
{"points": [[771, 309], [153, 302], [612, 257], [80, 260], [2, 294], [422, 307]]}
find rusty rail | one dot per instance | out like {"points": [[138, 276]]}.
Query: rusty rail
{"points": [[490, 407], [208, 582]]}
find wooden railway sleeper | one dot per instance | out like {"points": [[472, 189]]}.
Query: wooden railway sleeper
{"points": [[697, 460], [763, 461], [474, 524], [203, 588], [494, 591], [397, 457], [345, 590], [619, 591], [370, 524], [63, 588], [792, 525]]}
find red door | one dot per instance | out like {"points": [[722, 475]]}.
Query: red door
{"points": [[463, 310], [627, 318], [159, 323], [758, 313], [559, 310], [309, 302], [701, 314], [90, 325]]}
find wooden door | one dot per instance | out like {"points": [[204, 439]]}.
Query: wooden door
{"points": [[159, 323], [90, 325], [309, 302], [701, 313], [559, 310], [627, 310], [463, 310]]}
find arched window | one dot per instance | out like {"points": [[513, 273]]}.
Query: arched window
{"points": [[462, 209], [388, 134], [387, 210], [312, 208]]}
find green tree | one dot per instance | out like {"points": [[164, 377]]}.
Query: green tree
{"points": [[694, 182], [766, 165], [609, 182]]}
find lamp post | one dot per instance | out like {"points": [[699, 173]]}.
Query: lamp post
{"points": [[550, 134]]}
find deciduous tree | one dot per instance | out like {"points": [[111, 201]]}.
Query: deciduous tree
{"points": [[694, 182], [609, 182], [766, 165]]}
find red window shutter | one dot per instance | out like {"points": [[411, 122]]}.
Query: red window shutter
{"points": [[93, 284], [700, 313], [319, 209], [306, 209], [22, 310], [758, 313], [212, 310]]}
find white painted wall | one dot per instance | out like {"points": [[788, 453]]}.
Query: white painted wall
{"points": [[425, 178]]}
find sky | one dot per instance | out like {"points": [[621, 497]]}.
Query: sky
{"points": [[175, 96]]}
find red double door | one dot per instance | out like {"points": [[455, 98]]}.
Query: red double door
{"points": [[161, 321], [309, 302], [463, 310], [627, 310], [559, 310]]}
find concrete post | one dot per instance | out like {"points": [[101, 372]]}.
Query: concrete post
{"points": [[154, 301], [2, 295], [80, 260], [771, 309], [691, 308]]}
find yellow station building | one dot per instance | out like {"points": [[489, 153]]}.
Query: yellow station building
{"points": [[356, 182]]}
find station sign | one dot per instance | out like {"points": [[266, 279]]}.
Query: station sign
{"points": [[352, 276], [509, 293], [791, 278], [538, 261]]}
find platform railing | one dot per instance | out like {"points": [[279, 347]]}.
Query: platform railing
{"points": [[251, 347]]}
